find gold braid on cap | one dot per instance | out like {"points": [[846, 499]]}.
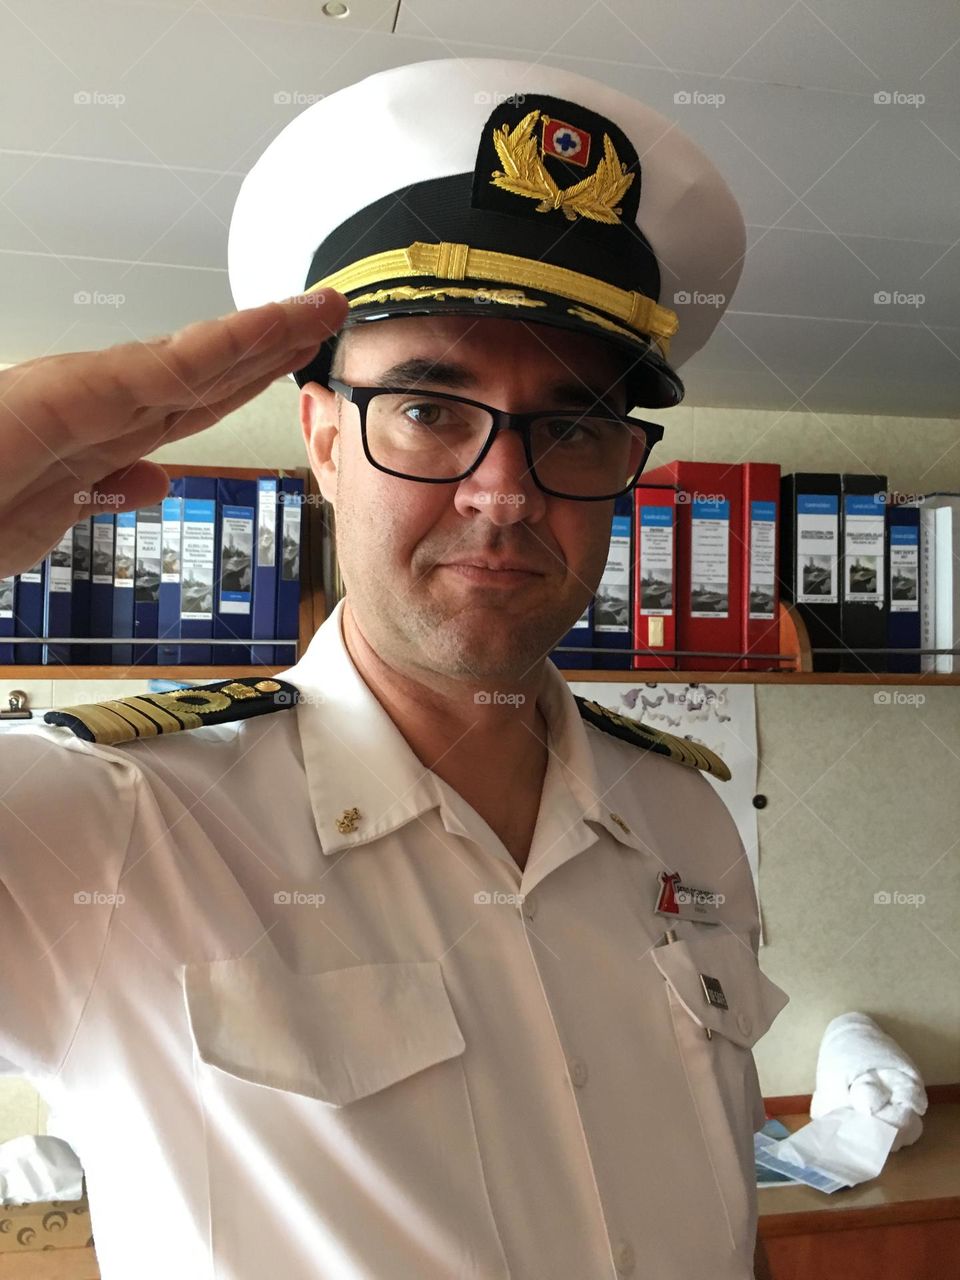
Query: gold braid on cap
{"points": [[446, 261]]}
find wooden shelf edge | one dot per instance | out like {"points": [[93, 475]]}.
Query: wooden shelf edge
{"points": [[880, 679], [806, 1222], [139, 673], [793, 1104], [761, 677]]}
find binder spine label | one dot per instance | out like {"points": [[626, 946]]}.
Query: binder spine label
{"points": [[863, 549], [710, 558], [81, 549], [125, 549], [60, 575], [817, 531], [196, 598], [656, 557], [170, 539], [267, 524], [6, 596], [236, 559], [103, 552], [148, 558], [763, 541], [611, 611], [290, 570], [904, 569]]}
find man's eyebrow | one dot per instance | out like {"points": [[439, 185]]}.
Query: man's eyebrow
{"points": [[419, 372], [416, 371]]}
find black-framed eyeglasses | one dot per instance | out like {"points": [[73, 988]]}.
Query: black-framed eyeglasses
{"points": [[429, 436]]}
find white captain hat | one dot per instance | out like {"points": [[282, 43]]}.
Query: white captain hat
{"points": [[484, 186]]}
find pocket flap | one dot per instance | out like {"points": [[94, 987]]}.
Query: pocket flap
{"points": [[336, 1036], [753, 1001]]}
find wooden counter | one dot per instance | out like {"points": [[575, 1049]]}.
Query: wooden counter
{"points": [[903, 1225]]}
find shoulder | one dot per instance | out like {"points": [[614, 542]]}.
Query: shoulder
{"points": [[151, 715], [64, 800], [682, 751]]}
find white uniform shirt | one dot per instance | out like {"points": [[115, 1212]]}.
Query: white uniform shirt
{"points": [[283, 1049]]}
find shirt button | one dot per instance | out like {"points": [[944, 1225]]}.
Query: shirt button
{"points": [[578, 1072], [624, 1258], [744, 1023], [529, 907]]}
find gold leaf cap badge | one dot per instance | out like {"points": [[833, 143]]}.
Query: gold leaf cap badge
{"points": [[543, 155]]}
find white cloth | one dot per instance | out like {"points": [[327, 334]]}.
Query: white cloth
{"points": [[38, 1167], [323, 1055], [860, 1066]]}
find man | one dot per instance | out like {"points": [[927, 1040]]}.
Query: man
{"points": [[385, 988]]}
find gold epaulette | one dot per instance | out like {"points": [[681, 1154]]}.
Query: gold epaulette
{"points": [[681, 750], [147, 715]]}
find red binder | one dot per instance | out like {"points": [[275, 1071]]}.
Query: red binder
{"points": [[709, 559], [760, 569], [655, 575]]}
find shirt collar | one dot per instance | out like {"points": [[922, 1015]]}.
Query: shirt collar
{"points": [[365, 781]]}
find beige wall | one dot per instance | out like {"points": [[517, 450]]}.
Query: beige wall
{"points": [[864, 797]]}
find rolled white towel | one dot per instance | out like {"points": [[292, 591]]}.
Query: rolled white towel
{"points": [[860, 1066]]}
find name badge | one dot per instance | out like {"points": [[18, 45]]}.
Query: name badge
{"points": [[683, 902]]}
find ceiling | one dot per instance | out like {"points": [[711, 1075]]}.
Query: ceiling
{"points": [[125, 193]]}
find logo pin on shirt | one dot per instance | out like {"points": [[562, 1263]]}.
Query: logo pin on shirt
{"points": [[348, 821], [684, 902]]}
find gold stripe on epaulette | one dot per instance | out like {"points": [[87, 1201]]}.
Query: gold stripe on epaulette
{"points": [[680, 750], [693, 753], [165, 721], [125, 708]]}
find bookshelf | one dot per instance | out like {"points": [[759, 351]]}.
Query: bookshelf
{"points": [[796, 655], [311, 599], [796, 658]]}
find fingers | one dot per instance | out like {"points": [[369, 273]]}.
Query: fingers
{"points": [[142, 484], [86, 419], [212, 359], [55, 410]]}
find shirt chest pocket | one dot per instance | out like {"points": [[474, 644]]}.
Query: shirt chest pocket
{"points": [[720, 1071], [337, 1037], [349, 1087]]}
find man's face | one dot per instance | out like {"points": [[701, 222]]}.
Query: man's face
{"points": [[406, 549]]}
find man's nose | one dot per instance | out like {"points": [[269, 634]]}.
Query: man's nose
{"points": [[502, 486]]}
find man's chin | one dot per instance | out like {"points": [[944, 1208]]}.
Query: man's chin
{"points": [[489, 645]]}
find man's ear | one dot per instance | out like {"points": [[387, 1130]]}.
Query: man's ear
{"points": [[321, 433]]}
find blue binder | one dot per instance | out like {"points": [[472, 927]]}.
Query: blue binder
{"points": [[265, 573], [198, 557], [124, 563], [290, 496], [168, 604], [28, 620], [613, 604], [903, 620], [236, 507], [146, 585], [58, 599], [80, 654], [8, 604], [101, 585], [580, 634]]}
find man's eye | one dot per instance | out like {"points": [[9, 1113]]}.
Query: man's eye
{"points": [[570, 430], [424, 413]]}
